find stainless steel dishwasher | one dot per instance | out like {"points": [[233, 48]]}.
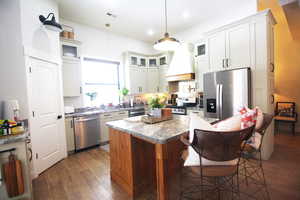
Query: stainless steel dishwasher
{"points": [[87, 131]]}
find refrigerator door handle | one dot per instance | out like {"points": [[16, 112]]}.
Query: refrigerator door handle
{"points": [[221, 101], [218, 100]]}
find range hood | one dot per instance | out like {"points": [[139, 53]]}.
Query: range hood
{"points": [[182, 64]]}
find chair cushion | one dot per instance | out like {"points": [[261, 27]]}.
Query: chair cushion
{"points": [[287, 119], [213, 171], [196, 122], [193, 160]]}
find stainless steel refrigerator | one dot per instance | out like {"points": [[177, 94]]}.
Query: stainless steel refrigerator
{"points": [[226, 91]]}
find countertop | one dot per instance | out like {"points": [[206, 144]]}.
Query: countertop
{"points": [[156, 133], [15, 138], [101, 111]]}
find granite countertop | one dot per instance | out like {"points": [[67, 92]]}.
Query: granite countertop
{"points": [[156, 133], [15, 138], [101, 111]]}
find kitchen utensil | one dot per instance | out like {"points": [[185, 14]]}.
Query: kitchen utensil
{"points": [[13, 177]]}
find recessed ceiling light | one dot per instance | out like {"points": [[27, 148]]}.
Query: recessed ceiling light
{"points": [[150, 32], [185, 15]]}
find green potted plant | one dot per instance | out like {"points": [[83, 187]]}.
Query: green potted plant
{"points": [[92, 96], [123, 94], [156, 103]]}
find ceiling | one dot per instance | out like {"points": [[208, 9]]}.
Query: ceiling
{"points": [[144, 19]]}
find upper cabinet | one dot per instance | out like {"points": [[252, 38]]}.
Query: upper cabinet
{"points": [[146, 74], [238, 46], [217, 50], [71, 68], [230, 48]]}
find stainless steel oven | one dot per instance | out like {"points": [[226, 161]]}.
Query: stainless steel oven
{"points": [[136, 112], [87, 131]]}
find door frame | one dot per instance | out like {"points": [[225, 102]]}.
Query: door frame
{"points": [[32, 123]]}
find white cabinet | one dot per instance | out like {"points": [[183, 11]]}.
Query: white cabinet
{"points": [[163, 82], [231, 48], [108, 117], [71, 71], [146, 73], [238, 46], [133, 82], [201, 67], [153, 80], [217, 50], [69, 127]]}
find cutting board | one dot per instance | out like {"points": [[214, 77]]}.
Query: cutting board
{"points": [[13, 177]]}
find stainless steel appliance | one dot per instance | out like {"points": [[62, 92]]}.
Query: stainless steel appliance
{"points": [[226, 91], [178, 110], [87, 131], [136, 112]]}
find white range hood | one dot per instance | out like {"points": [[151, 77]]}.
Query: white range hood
{"points": [[182, 64]]}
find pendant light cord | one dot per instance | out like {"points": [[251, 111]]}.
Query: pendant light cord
{"points": [[166, 16]]}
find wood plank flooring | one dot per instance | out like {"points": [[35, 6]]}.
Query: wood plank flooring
{"points": [[86, 176]]}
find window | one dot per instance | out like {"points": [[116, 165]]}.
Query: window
{"points": [[101, 77]]}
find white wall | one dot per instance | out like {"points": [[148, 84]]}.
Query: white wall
{"points": [[195, 33], [35, 35], [103, 44], [12, 70]]}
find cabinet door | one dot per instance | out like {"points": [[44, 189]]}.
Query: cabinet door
{"points": [[238, 51], [163, 83], [201, 67], [142, 80], [216, 50], [71, 70], [69, 127], [153, 80], [134, 86], [104, 134]]}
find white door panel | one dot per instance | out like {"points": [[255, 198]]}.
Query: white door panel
{"points": [[238, 46], [47, 135], [216, 50]]}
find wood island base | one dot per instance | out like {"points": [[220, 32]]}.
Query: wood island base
{"points": [[140, 166]]}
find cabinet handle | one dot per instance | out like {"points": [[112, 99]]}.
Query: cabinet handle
{"points": [[227, 62], [72, 123], [272, 67], [272, 99], [223, 63], [80, 90]]}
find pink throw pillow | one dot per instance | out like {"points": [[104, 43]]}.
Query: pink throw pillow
{"points": [[248, 117], [259, 119]]}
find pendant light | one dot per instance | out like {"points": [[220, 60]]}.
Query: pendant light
{"points": [[50, 24], [166, 43]]}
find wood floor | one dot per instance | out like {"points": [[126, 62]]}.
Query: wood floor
{"points": [[86, 175]]}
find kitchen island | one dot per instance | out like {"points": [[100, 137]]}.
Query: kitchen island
{"points": [[147, 157]]}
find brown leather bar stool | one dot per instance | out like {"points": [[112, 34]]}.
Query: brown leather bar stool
{"points": [[214, 181], [252, 167]]}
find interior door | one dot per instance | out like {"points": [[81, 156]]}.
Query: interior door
{"points": [[47, 130], [239, 46], [216, 50]]}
